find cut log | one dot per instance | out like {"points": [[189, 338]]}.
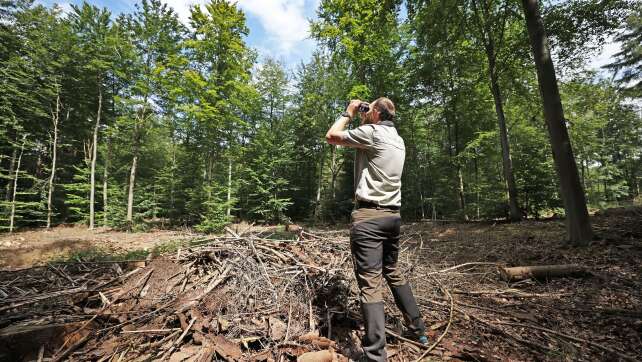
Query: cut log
{"points": [[518, 273]]}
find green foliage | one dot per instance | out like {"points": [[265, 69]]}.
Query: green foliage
{"points": [[629, 60], [77, 191], [219, 136], [214, 217]]}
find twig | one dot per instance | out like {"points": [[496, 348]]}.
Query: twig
{"points": [[267, 276], [44, 297], [450, 320], [493, 327], [71, 348], [576, 339], [179, 340], [152, 331], [287, 330], [461, 266], [41, 353]]}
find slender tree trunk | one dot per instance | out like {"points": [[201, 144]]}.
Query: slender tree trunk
{"points": [[317, 199], [15, 185], [578, 226], [462, 197], [132, 174], [460, 176], [491, 54], [130, 194], [507, 162], [94, 157], [334, 172], [105, 178], [12, 166], [229, 188], [477, 187], [55, 116], [172, 181]]}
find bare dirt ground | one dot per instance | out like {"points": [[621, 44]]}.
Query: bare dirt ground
{"points": [[27, 248], [265, 296]]}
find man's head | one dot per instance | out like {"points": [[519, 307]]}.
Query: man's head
{"points": [[382, 109]]}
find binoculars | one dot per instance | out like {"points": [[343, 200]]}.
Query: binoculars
{"points": [[363, 107]]}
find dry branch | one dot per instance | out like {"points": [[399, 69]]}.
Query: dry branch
{"points": [[518, 273]]}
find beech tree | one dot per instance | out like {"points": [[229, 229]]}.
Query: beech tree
{"points": [[185, 125], [578, 226]]}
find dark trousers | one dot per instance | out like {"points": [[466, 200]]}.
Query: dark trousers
{"points": [[374, 242]]}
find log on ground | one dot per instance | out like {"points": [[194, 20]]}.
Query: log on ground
{"points": [[518, 273]]}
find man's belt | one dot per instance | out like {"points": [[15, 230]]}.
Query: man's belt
{"points": [[371, 205]]}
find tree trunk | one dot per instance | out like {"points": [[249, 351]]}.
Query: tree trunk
{"points": [[507, 162], [94, 157], [477, 187], [55, 117], [333, 168], [105, 177], [518, 273], [460, 176], [462, 193], [491, 54], [317, 199], [229, 188], [130, 194], [578, 226], [12, 166], [15, 185], [132, 175]]}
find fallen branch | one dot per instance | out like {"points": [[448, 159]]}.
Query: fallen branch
{"points": [[518, 273], [44, 297], [450, 320], [461, 266]]}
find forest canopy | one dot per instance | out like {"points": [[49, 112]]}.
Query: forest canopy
{"points": [[138, 119]]}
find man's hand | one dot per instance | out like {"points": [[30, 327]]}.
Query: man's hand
{"points": [[336, 134], [352, 107]]}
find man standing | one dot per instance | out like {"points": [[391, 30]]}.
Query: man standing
{"points": [[374, 236]]}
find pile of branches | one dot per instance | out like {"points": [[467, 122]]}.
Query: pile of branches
{"points": [[255, 297], [234, 297]]}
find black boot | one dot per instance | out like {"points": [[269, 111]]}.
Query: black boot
{"points": [[406, 303], [374, 341]]}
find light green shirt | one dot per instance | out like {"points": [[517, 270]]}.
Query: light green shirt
{"points": [[378, 164]]}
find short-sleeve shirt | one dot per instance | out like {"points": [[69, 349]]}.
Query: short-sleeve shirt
{"points": [[378, 164]]}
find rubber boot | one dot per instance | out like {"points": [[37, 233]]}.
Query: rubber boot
{"points": [[374, 341], [406, 303]]}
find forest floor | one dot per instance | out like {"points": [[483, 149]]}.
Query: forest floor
{"points": [[263, 295]]}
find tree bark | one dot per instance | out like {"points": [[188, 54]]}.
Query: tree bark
{"points": [[12, 165], [94, 155], [55, 117], [15, 185], [132, 175], [518, 273], [317, 199], [507, 163], [130, 194], [460, 176], [229, 188], [105, 177], [578, 226]]}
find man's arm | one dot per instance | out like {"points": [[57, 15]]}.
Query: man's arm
{"points": [[337, 135]]}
